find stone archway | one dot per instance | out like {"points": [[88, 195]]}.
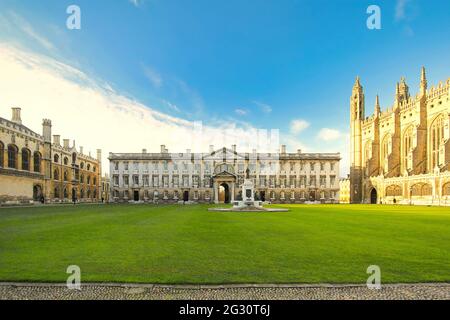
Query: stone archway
{"points": [[373, 196], [37, 193], [224, 193]]}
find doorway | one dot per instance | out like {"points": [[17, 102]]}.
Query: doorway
{"points": [[373, 196], [37, 193], [186, 196], [224, 193], [136, 195], [263, 196]]}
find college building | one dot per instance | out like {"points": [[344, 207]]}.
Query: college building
{"points": [[217, 176], [402, 154], [36, 168]]}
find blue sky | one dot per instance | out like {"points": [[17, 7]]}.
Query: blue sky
{"points": [[286, 64]]}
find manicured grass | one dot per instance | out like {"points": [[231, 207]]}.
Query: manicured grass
{"points": [[188, 244]]}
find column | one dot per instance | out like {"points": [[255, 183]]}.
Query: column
{"points": [[216, 193], [232, 192]]}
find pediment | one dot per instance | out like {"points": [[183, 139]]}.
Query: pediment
{"points": [[224, 153]]}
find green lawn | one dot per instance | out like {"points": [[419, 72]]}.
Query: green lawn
{"points": [[188, 244]]}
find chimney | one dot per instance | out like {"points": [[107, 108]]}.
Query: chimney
{"points": [[57, 139], [299, 151], [144, 151], [73, 144], [163, 148], [66, 143], [16, 115], [233, 147], [211, 148], [81, 150], [283, 149], [99, 155]]}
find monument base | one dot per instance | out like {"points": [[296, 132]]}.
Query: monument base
{"points": [[248, 209], [248, 204]]}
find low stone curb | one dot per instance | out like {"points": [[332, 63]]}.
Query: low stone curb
{"points": [[224, 286]]}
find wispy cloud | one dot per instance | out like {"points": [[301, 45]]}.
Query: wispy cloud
{"points": [[171, 106], [327, 134], [46, 88], [298, 125], [14, 21], [153, 76], [241, 111], [263, 106]]}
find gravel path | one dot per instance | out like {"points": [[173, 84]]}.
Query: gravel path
{"points": [[16, 291]]}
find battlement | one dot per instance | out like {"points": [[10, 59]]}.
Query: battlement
{"points": [[440, 90]]}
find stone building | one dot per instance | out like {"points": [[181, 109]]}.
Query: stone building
{"points": [[105, 187], [344, 191], [33, 168], [402, 154], [217, 176]]}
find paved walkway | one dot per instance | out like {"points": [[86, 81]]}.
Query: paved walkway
{"points": [[18, 291]]}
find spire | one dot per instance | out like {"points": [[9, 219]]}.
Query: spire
{"points": [[377, 106], [423, 82], [357, 83]]}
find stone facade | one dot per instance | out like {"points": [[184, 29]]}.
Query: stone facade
{"points": [[344, 191], [217, 176], [402, 154], [33, 168]]}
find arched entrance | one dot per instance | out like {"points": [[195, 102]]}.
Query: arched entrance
{"points": [[373, 196], [37, 193], [224, 193], [186, 196]]}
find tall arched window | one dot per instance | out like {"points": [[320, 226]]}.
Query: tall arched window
{"points": [[406, 147], [56, 158], [2, 152], [66, 176], [384, 152], [367, 152], [37, 162], [56, 193], [436, 138], [56, 174], [66, 161], [12, 156], [26, 159]]}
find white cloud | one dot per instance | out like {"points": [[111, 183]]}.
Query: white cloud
{"points": [[298, 125], [327, 134], [14, 21], [98, 116], [171, 106], [154, 77], [263, 106], [240, 112]]}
